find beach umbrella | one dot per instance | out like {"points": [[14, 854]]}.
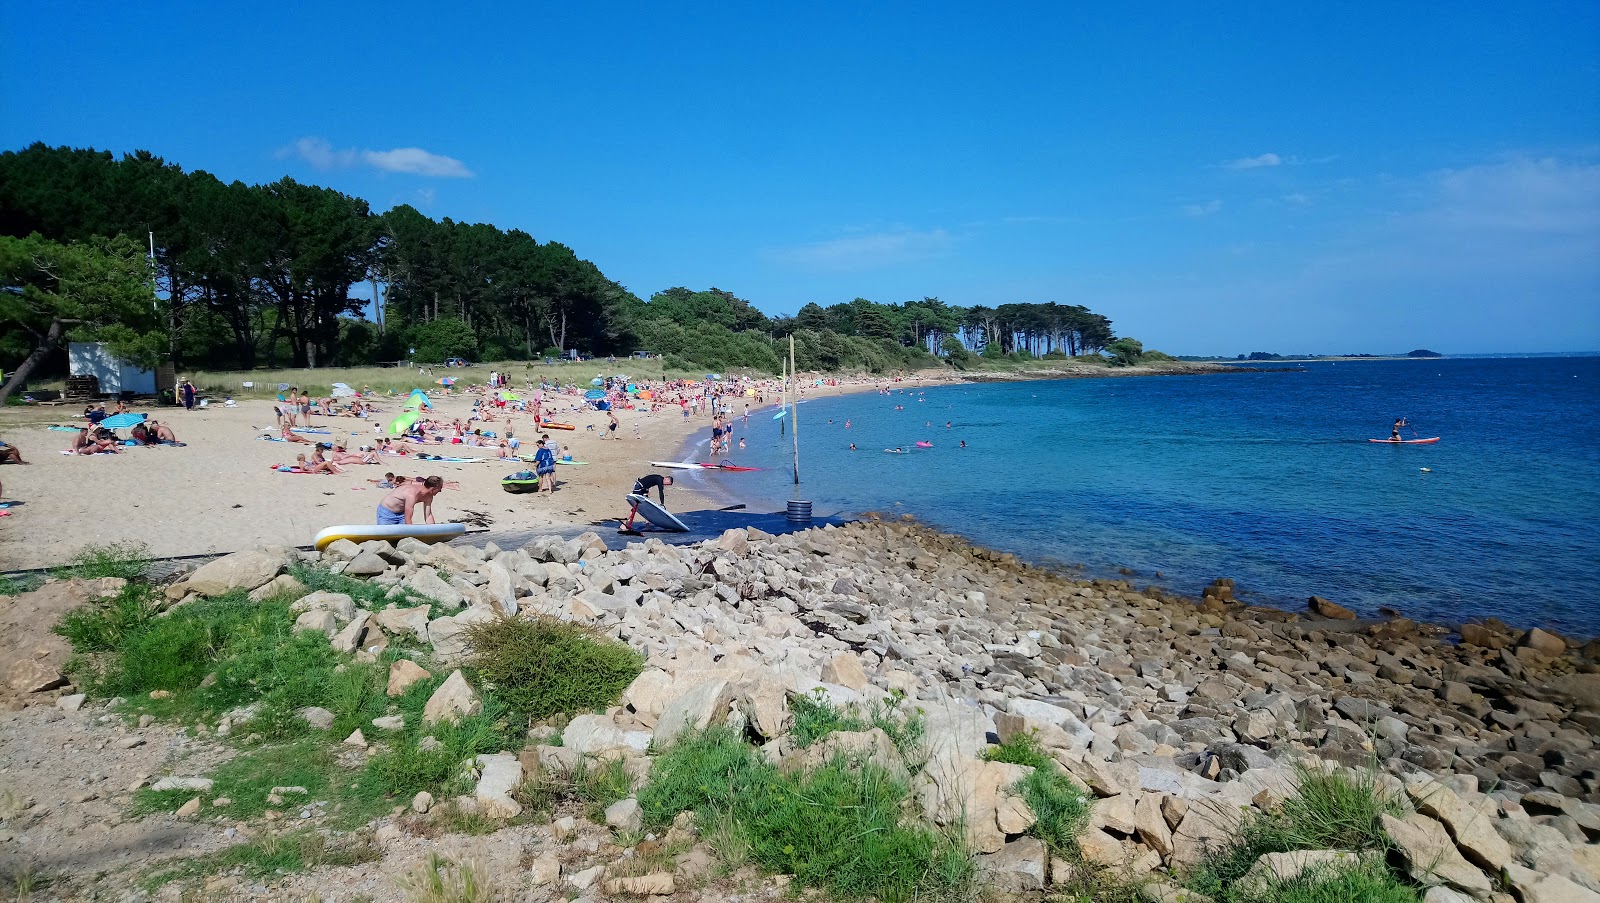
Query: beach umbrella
{"points": [[713, 376], [122, 421], [283, 387], [403, 422], [446, 381], [340, 390], [594, 394], [597, 381]]}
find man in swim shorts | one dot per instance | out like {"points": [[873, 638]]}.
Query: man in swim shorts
{"points": [[399, 506]]}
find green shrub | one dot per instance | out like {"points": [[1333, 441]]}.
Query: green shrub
{"points": [[16, 586], [540, 667], [815, 717], [840, 828], [1338, 811], [406, 768], [130, 561], [105, 624], [1060, 807], [268, 856], [1022, 749], [366, 594]]}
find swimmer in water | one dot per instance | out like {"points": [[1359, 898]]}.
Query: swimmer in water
{"points": [[852, 446], [963, 443]]}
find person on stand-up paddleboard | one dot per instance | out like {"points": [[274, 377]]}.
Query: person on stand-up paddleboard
{"points": [[1394, 435], [642, 487]]}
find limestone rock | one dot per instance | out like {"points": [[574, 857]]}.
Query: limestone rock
{"points": [[845, 669], [625, 815], [281, 585], [319, 621], [189, 809], [448, 635], [71, 703], [655, 884], [316, 716], [1431, 856], [1017, 867], [366, 564], [340, 605], [390, 723], [1472, 827], [350, 638], [1150, 825], [422, 802], [1208, 823], [427, 582], [242, 570], [592, 735], [544, 870], [402, 674], [1544, 641], [499, 774], [356, 739], [195, 785], [1532, 887], [1275, 868], [405, 620], [694, 710], [1330, 609], [454, 700]]}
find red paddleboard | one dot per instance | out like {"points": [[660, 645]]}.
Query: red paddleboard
{"points": [[724, 466], [1406, 441]]}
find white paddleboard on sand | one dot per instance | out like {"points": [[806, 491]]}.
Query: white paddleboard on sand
{"points": [[681, 465], [359, 533], [657, 515]]}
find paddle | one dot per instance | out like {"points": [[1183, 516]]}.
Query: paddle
{"points": [[732, 508]]}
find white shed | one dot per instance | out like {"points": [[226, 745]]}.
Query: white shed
{"points": [[116, 376]]}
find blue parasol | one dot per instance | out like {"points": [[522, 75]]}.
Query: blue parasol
{"points": [[593, 394], [122, 421]]}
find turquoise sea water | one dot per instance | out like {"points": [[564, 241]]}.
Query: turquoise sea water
{"points": [[1263, 477]]}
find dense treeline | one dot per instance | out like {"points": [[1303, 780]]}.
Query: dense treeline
{"points": [[243, 276]]}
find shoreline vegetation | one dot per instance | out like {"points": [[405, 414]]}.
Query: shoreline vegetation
{"points": [[246, 276], [463, 724]]}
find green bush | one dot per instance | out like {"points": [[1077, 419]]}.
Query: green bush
{"points": [[405, 767], [815, 718], [841, 828], [1021, 749], [542, 666], [1337, 811], [128, 560], [105, 624]]}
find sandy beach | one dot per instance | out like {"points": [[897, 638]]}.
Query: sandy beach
{"points": [[219, 493]]}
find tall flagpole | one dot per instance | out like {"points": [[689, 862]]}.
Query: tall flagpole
{"points": [[795, 411]]}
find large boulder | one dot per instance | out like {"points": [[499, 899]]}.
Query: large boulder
{"points": [[649, 695], [455, 699], [1431, 856], [340, 605], [1472, 826], [366, 564], [427, 582], [449, 635], [694, 710], [498, 776], [405, 620], [241, 570]]}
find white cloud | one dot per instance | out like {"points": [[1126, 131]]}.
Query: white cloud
{"points": [[1206, 209], [319, 153], [864, 252], [1255, 162]]}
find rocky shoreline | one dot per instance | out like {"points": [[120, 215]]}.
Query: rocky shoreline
{"points": [[1181, 716]]}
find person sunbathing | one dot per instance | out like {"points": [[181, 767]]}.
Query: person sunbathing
{"points": [[340, 456], [160, 432], [10, 454], [319, 464], [289, 435]]}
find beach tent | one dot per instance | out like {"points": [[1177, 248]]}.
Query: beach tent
{"points": [[418, 399], [340, 390], [402, 423]]}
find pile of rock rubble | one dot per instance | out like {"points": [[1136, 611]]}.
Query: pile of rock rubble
{"points": [[1181, 718]]}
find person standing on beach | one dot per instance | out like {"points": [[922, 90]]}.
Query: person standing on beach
{"points": [[187, 391], [399, 506]]}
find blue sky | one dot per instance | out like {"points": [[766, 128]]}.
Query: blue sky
{"points": [[1367, 177]]}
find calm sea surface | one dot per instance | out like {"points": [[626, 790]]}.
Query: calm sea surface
{"points": [[1263, 477]]}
